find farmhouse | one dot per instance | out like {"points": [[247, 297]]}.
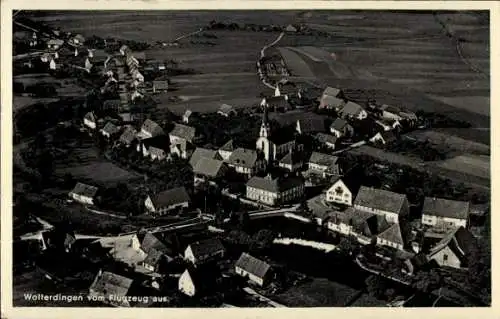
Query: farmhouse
{"points": [[454, 248], [182, 149], [149, 241], [160, 86], [155, 147], [275, 191], [112, 288], [200, 153], [290, 28], [226, 150], [311, 124], [328, 140], [287, 90], [153, 260], [109, 130], [204, 251], [332, 98], [84, 193], [390, 112], [342, 191], [58, 240], [353, 110], [383, 138], [55, 44], [167, 201], [182, 132], [256, 270], [291, 161], [391, 237], [381, 202], [128, 136], [246, 161], [325, 164], [208, 170], [150, 129], [196, 282], [445, 213], [227, 110], [275, 144], [78, 39], [341, 128], [90, 120], [186, 116]]}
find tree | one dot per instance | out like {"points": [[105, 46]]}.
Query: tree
{"points": [[262, 239], [427, 281], [348, 245], [375, 286]]}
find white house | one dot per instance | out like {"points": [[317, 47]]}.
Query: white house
{"points": [[84, 193], [325, 164], [203, 251], [186, 284], [445, 213], [454, 249], [226, 150], [354, 111], [167, 201], [341, 192], [246, 161], [275, 191], [90, 120], [256, 270]]}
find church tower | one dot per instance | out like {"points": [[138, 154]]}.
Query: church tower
{"points": [[265, 129], [263, 143]]}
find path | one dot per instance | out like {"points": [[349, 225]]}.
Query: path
{"points": [[263, 54], [254, 293], [104, 213], [306, 243], [188, 35]]}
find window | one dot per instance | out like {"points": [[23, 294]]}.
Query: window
{"points": [[445, 257]]}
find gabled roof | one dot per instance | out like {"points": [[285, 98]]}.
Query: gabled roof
{"points": [[152, 127], [171, 197], [129, 135], [208, 167], [277, 102], [200, 153], [352, 184], [291, 158], [55, 42], [226, 109], [351, 108], [380, 199], [110, 128], [390, 109], [339, 124], [331, 91], [161, 142], [392, 234], [84, 190], [108, 283], [228, 147], [153, 258], [206, 247], [243, 157], [326, 138], [332, 101], [183, 131], [90, 116], [460, 241], [323, 159], [253, 265], [312, 124], [445, 208], [150, 241], [275, 185]]}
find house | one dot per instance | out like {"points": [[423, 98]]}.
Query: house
{"points": [[276, 103], [388, 125], [290, 28], [136, 94], [287, 90], [111, 288], [55, 44], [153, 261], [326, 165], [182, 132], [227, 110], [390, 112], [84, 193], [382, 202], [167, 201], [208, 170], [128, 136], [182, 148], [342, 191], [354, 222], [353, 110], [275, 143], [332, 98], [160, 86], [275, 191], [150, 129], [246, 161], [391, 237], [124, 50], [155, 147], [453, 250], [383, 138], [157, 252], [109, 130], [328, 140], [226, 150], [90, 120], [78, 39], [311, 124], [53, 65], [291, 161], [445, 213], [197, 282], [256, 270], [200, 153], [150, 241], [204, 251], [58, 239], [113, 105], [341, 128], [186, 116]]}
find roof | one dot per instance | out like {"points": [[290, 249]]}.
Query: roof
{"points": [[90, 116], [445, 208], [284, 134], [183, 131], [288, 88], [351, 183], [326, 138], [182, 145], [460, 240], [226, 109], [128, 135], [152, 127], [55, 42], [331, 91], [171, 197], [277, 102], [228, 147], [243, 157], [390, 108], [153, 258], [253, 265], [339, 124], [312, 124], [323, 159], [206, 247], [332, 101], [380, 199], [79, 37], [110, 128], [290, 158], [160, 142], [188, 113], [200, 153], [115, 103], [109, 283], [351, 108], [392, 234], [162, 85], [84, 190], [275, 185], [150, 241], [208, 167]]}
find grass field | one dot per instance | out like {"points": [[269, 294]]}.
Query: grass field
{"points": [[472, 165], [450, 141]]}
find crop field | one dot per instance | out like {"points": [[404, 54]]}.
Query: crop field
{"points": [[453, 142], [478, 165]]}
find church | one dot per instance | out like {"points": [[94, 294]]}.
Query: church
{"points": [[275, 143]]}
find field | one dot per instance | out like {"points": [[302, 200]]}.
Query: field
{"points": [[471, 165], [453, 142]]}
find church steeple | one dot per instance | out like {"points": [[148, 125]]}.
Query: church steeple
{"points": [[265, 129]]}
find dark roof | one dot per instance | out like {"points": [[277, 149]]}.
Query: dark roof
{"points": [[90, 116], [110, 128], [183, 131], [460, 240], [150, 241], [208, 167], [445, 208], [229, 146], [330, 91], [160, 142], [282, 135], [291, 158], [199, 153], [108, 283], [288, 88], [326, 138], [153, 258], [351, 108], [392, 234], [171, 197], [332, 101], [243, 157], [253, 265], [312, 124], [206, 247], [85, 190], [152, 127], [339, 124], [277, 102], [275, 185], [226, 108], [115, 103], [129, 135], [162, 85], [380, 199], [323, 159]]}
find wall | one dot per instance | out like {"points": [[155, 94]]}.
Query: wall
{"points": [[452, 260], [186, 285]]}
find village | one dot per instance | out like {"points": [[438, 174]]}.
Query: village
{"points": [[249, 206]]}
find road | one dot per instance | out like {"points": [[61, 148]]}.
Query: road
{"points": [[263, 54]]}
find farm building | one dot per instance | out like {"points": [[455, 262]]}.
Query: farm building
{"points": [[383, 138], [256, 270], [90, 120], [386, 203], [167, 201], [328, 140], [156, 147], [78, 39], [208, 170], [445, 213], [153, 260], [291, 161], [109, 130], [311, 124], [291, 28], [246, 161], [55, 44], [287, 90], [160, 86], [453, 249], [275, 143], [186, 116], [227, 110], [84, 193], [112, 288], [390, 112], [226, 150], [332, 98], [391, 237], [343, 191], [58, 240], [150, 129], [341, 128], [128, 136], [182, 148], [326, 165], [200, 153], [182, 132], [275, 191], [197, 282], [149, 241], [353, 110], [204, 251]]}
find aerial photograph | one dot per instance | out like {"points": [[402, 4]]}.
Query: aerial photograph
{"points": [[251, 158]]}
